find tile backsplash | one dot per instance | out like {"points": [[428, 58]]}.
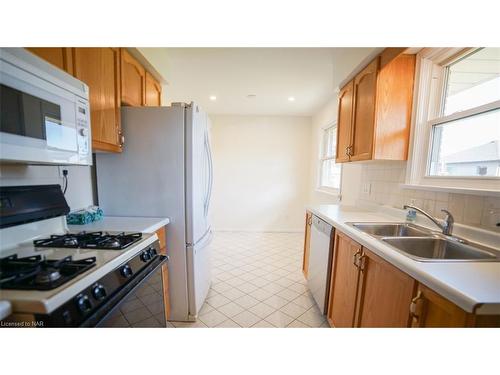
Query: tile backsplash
{"points": [[380, 183]]}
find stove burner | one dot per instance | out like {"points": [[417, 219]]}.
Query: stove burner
{"points": [[90, 240], [47, 276], [38, 273]]}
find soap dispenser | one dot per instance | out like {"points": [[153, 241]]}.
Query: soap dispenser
{"points": [[411, 214]]}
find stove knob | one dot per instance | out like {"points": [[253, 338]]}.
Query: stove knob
{"points": [[126, 271], [84, 304], [99, 292], [145, 256], [152, 252]]}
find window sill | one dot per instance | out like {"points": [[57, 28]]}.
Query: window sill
{"points": [[450, 189], [329, 191]]}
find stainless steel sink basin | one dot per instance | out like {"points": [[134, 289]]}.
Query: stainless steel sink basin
{"points": [[392, 229], [437, 248]]}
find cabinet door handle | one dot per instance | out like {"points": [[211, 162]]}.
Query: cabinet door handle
{"points": [[355, 258], [414, 306], [347, 151], [361, 262], [121, 139]]}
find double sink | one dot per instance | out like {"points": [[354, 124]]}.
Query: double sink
{"points": [[422, 244]]}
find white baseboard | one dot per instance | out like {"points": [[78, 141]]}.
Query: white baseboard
{"points": [[284, 230]]}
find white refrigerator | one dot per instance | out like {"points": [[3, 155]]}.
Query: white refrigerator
{"points": [[165, 170]]}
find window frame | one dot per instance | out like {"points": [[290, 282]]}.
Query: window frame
{"points": [[323, 158], [428, 109]]}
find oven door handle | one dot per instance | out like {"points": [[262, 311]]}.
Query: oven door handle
{"points": [[110, 305]]}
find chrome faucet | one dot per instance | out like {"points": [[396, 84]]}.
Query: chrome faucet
{"points": [[445, 225]]}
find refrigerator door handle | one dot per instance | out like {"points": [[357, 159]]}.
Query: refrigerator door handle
{"points": [[210, 174]]}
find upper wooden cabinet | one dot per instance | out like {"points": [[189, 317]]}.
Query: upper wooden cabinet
{"points": [[58, 56], [153, 91], [133, 80], [374, 111], [344, 122], [99, 68]]}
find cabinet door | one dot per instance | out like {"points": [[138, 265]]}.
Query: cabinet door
{"points": [[393, 109], [429, 309], [307, 244], [58, 56], [365, 90], [153, 91], [132, 79], [162, 239], [344, 282], [385, 294], [344, 122], [99, 68]]}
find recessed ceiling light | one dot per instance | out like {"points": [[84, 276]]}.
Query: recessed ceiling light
{"points": [[291, 99], [213, 98], [251, 96]]}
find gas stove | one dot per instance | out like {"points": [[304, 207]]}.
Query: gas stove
{"points": [[90, 240], [72, 279]]}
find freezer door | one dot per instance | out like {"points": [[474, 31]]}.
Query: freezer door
{"points": [[198, 174], [199, 273]]}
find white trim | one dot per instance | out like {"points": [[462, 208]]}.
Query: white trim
{"points": [[328, 190], [429, 90], [452, 189]]}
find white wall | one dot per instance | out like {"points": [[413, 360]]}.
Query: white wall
{"points": [[261, 172], [78, 194]]}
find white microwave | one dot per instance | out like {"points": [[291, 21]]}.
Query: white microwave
{"points": [[44, 112]]}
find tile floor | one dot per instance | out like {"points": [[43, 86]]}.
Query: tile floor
{"points": [[257, 282]]}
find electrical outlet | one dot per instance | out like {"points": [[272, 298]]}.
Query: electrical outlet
{"points": [[62, 168]]}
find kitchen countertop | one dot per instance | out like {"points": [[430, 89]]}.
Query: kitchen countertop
{"points": [[474, 286], [123, 224]]}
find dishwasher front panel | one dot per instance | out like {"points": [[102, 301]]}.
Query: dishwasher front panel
{"points": [[320, 255]]}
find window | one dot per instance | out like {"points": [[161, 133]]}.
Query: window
{"points": [[329, 170], [456, 130], [467, 135]]}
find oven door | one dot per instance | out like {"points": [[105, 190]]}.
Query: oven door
{"points": [[139, 304]]}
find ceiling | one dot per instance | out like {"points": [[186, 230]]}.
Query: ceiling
{"points": [[270, 75]]}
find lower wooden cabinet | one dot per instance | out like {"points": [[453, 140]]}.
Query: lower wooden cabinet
{"points": [[344, 282], [307, 244], [367, 291], [384, 295], [162, 239]]}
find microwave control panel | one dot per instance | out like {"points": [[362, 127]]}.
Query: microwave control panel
{"points": [[83, 128]]}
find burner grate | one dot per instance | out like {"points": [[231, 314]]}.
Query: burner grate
{"points": [[90, 240], [38, 273]]}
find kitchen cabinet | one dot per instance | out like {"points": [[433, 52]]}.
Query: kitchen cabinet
{"points": [[344, 122], [365, 91], [162, 239], [307, 244], [385, 293], [367, 291], [153, 91], [58, 56], [344, 282], [374, 110], [133, 76], [99, 68]]}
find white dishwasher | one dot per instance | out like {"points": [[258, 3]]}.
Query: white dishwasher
{"points": [[320, 255]]}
